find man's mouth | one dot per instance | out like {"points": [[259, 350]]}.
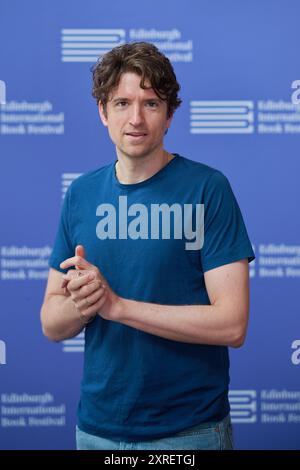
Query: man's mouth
{"points": [[136, 134]]}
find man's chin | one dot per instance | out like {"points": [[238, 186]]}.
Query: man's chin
{"points": [[135, 152]]}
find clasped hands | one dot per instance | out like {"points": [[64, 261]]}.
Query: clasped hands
{"points": [[88, 289]]}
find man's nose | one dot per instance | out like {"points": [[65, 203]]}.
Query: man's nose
{"points": [[137, 117]]}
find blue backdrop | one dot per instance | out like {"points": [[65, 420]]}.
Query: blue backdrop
{"points": [[236, 62]]}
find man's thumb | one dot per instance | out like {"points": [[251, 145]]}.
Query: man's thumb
{"points": [[80, 251]]}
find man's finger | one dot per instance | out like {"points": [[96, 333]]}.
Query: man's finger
{"points": [[80, 251], [96, 307], [74, 274], [80, 281], [77, 261], [71, 274], [90, 297]]}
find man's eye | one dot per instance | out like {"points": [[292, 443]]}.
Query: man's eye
{"points": [[121, 104], [152, 104]]}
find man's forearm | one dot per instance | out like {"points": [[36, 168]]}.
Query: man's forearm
{"points": [[201, 324], [60, 318]]}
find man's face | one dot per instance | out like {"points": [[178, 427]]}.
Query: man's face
{"points": [[136, 118]]}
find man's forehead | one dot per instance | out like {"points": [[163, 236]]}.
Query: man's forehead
{"points": [[131, 83]]}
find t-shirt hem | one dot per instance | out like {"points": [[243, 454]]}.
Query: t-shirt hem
{"points": [[142, 438]]}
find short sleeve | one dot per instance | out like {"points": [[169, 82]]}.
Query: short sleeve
{"points": [[225, 235], [63, 247]]}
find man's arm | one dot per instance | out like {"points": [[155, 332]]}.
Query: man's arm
{"points": [[224, 322], [66, 311], [59, 316]]}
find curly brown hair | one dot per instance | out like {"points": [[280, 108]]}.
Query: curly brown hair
{"points": [[143, 59]]}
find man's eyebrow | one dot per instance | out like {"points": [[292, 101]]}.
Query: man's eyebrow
{"points": [[119, 98], [153, 99]]}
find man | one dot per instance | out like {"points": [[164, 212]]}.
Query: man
{"points": [[160, 283]]}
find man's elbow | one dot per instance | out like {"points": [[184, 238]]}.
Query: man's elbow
{"points": [[50, 335], [238, 336], [47, 330], [238, 342]]}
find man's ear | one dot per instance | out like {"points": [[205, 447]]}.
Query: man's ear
{"points": [[102, 114], [168, 123]]}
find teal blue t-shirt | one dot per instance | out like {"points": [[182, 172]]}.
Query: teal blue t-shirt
{"points": [[153, 241]]}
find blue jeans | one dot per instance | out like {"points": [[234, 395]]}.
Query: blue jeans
{"points": [[208, 436]]}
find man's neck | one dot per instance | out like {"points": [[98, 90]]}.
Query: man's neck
{"points": [[131, 171]]}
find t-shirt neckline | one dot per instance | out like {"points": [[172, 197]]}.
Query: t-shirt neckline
{"points": [[148, 180]]}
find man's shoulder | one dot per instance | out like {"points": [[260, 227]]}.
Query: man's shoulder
{"points": [[91, 178], [198, 170]]}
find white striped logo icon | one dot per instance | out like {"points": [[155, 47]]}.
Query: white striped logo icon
{"points": [[243, 406], [2, 352], [252, 265], [87, 45], [66, 180], [2, 92], [74, 345], [221, 117]]}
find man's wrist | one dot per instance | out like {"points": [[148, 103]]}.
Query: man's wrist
{"points": [[119, 309]]}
